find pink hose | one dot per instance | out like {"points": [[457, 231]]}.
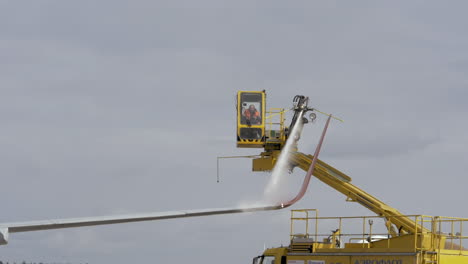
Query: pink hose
{"points": [[305, 184]]}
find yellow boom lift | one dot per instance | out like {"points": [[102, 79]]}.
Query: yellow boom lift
{"points": [[400, 239]]}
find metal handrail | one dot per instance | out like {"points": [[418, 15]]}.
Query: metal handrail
{"points": [[425, 227]]}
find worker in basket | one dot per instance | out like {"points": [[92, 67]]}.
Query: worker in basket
{"points": [[252, 116]]}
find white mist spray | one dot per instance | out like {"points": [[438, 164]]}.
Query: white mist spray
{"points": [[278, 188]]}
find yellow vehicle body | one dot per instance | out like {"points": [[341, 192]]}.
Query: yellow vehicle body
{"points": [[430, 241], [359, 255]]}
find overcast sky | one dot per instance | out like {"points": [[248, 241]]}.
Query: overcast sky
{"points": [[110, 107]]}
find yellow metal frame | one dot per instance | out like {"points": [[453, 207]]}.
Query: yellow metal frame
{"points": [[273, 123], [437, 239], [275, 140], [421, 230], [250, 143], [305, 218]]}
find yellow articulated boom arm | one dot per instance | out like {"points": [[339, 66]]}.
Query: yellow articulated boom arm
{"points": [[254, 134], [342, 183]]}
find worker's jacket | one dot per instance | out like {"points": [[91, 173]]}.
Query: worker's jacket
{"points": [[248, 115]]}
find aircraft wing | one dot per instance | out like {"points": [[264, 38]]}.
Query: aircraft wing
{"points": [[6, 228], [16, 227]]}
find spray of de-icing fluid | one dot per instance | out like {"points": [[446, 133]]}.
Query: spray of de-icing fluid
{"points": [[277, 189]]}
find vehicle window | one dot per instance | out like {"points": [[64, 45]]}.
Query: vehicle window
{"points": [[268, 260], [257, 260], [251, 109]]}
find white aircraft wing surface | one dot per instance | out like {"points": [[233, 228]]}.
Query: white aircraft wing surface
{"points": [[16, 227], [6, 228]]}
